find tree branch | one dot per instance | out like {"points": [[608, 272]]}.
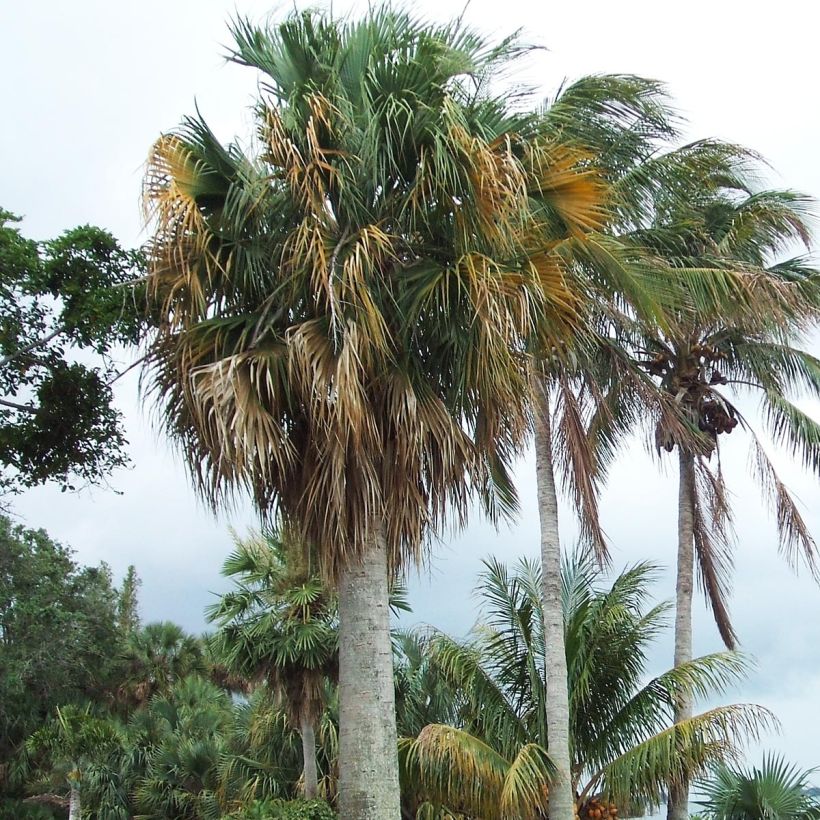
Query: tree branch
{"points": [[26, 408], [127, 369], [33, 346]]}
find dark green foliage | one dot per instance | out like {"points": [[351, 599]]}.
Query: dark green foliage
{"points": [[60, 300], [58, 638], [18, 810], [89, 272], [287, 810]]}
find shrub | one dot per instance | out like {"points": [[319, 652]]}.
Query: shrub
{"points": [[286, 810]]}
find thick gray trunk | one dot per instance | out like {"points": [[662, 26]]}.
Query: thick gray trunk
{"points": [[311, 776], [678, 808], [562, 799], [368, 749], [74, 806]]}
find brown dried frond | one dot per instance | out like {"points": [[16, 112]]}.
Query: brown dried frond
{"points": [[713, 546], [565, 177], [578, 462]]}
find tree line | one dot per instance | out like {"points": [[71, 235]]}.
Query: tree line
{"points": [[243, 722]]}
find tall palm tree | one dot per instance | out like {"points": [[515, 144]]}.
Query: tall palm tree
{"points": [[345, 311], [605, 114], [279, 624], [627, 125], [703, 359], [496, 762], [774, 790]]}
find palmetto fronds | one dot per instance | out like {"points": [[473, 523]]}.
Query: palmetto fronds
{"points": [[776, 789], [348, 309], [279, 623]]}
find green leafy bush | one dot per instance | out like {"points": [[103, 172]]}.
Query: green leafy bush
{"points": [[17, 810], [286, 810]]}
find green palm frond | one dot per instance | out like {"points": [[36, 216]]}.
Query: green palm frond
{"points": [[679, 753], [775, 789], [493, 758]]}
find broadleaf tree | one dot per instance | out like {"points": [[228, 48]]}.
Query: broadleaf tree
{"points": [[65, 306]]}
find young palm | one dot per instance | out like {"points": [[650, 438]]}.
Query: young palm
{"points": [[68, 746], [775, 790], [279, 624], [495, 761], [346, 311]]}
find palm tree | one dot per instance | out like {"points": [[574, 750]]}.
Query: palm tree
{"points": [[345, 313], [68, 746], [775, 790], [265, 757], [157, 656], [702, 358], [601, 112], [495, 762], [179, 741], [626, 124], [279, 624]]}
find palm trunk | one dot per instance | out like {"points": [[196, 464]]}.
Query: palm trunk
{"points": [[562, 801], [678, 807], [368, 749], [311, 776], [74, 805]]}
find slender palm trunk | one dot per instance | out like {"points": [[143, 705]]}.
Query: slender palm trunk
{"points": [[368, 750], [74, 805], [311, 776], [678, 808], [562, 801]]}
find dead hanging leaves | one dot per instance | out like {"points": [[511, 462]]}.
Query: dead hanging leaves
{"points": [[347, 372]]}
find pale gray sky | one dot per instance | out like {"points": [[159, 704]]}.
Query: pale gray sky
{"points": [[88, 85]]}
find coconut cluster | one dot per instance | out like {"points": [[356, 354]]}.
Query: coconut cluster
{"points": [[595, 809]]}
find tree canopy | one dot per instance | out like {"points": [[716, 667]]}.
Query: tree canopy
{"points": [[65, 306]]}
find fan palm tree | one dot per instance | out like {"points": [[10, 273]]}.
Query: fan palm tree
{"points": [[180, 740], [345, 311], [775, 791], [156, 657], [279, 624], [495, 761]]}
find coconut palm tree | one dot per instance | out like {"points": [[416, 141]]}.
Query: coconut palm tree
{"points": [[68, 746], [279, 624], [627, 127], [703, 359], [495, 762], [345, 310], [775, 790]]}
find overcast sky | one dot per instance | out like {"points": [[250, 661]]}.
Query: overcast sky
{"points": [[87, 86]]}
